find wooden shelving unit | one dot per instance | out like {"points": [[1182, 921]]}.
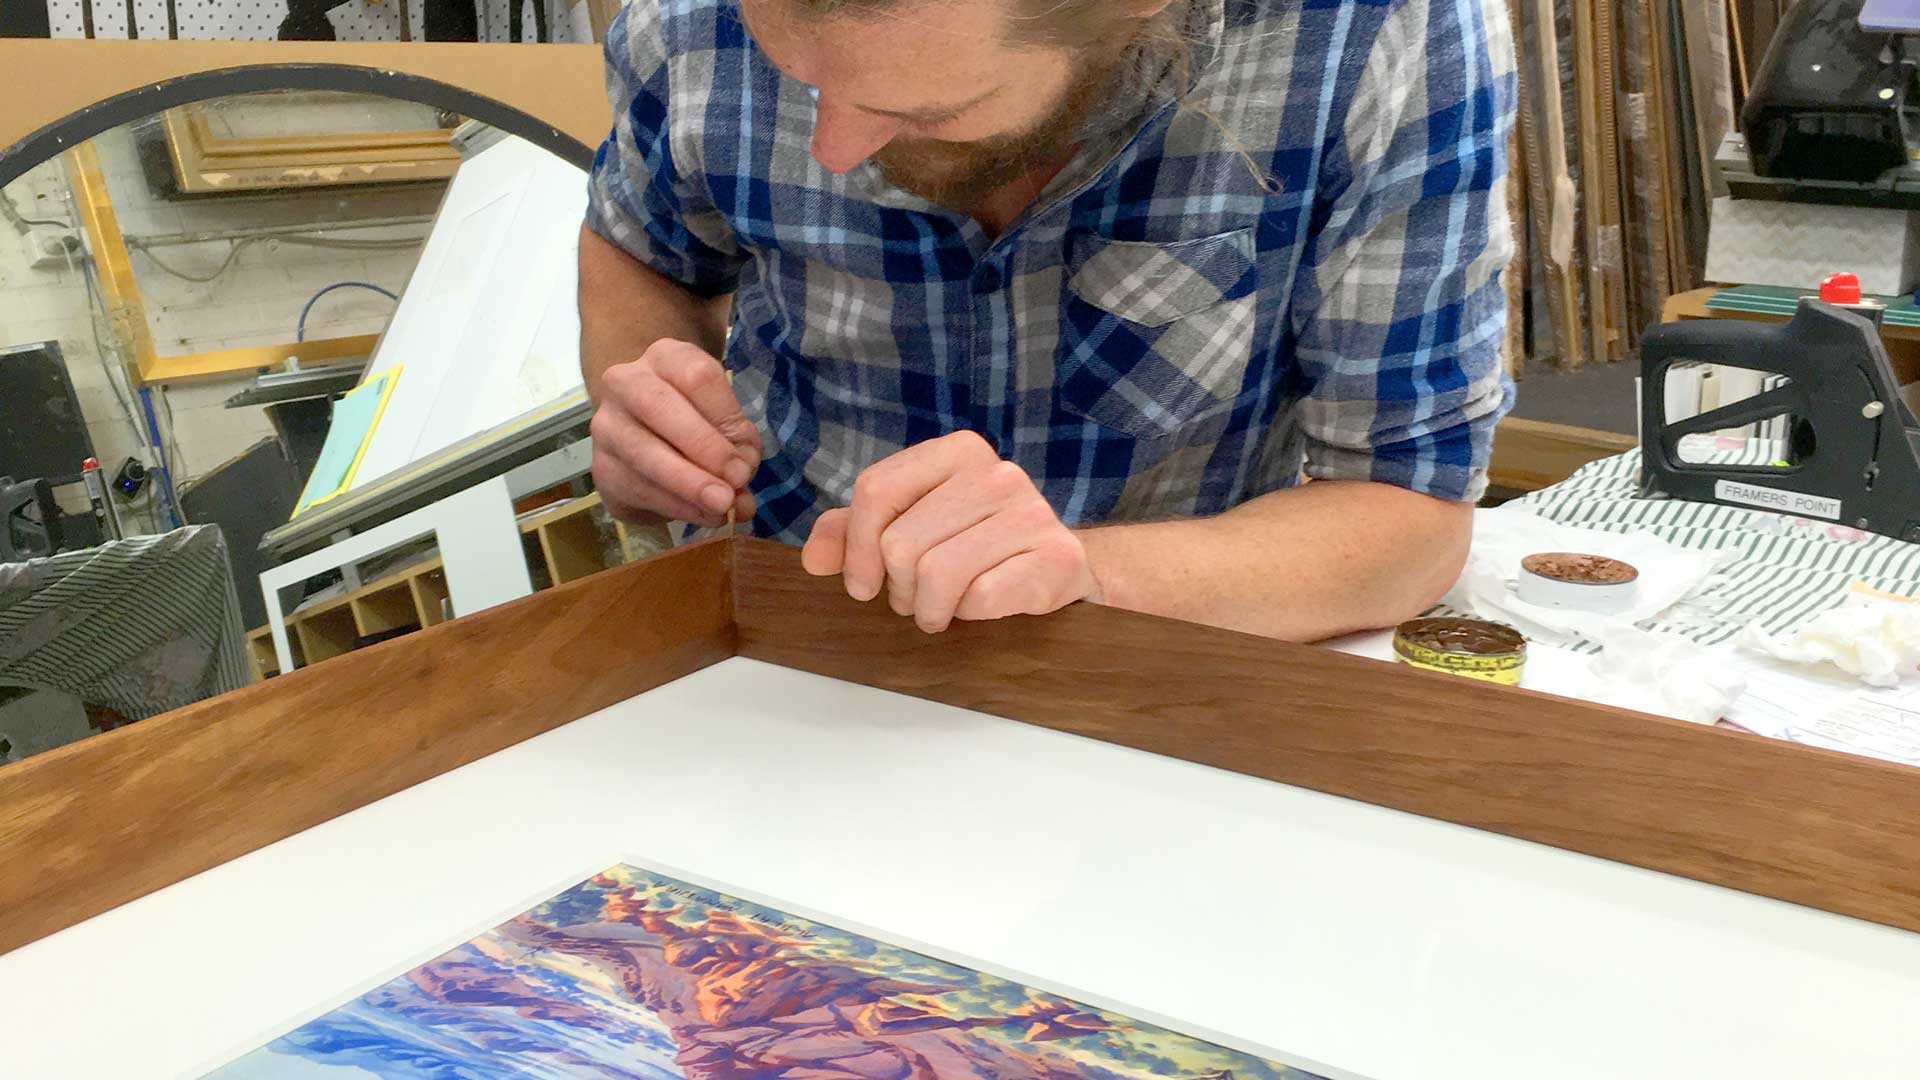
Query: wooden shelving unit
{"points": [[565, 542]]}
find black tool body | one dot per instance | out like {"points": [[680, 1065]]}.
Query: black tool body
{"points": [[1853, 454]]}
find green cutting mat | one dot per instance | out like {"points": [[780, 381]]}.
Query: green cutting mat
{"points": [[1774, 300]]}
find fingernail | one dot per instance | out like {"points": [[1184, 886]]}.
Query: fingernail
{"points": [[860, 591], [716, 498], [738, 473]]}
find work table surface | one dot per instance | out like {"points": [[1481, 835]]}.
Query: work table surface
{"points": [[1347, 939]]}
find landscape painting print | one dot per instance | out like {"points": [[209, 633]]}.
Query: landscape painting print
{"points": [[631, 974]]}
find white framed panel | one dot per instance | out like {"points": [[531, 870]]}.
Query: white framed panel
{"points": [[489, 311]]}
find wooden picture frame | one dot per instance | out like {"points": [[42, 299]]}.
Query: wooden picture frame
{"points": [[1551, 192], [204, 162], [1599, 185], [79, 834]]}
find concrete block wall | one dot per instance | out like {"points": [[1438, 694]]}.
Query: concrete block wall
{"points": [[259, 299], [51, 304]]}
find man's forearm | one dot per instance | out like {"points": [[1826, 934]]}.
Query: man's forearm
{"points": [[1303, 564], [626, 306]]}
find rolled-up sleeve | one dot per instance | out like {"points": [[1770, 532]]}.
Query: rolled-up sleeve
{"points": [[640, 198], [1398, 309]]}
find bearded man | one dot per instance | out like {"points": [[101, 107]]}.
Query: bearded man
{"points": [[1184, 306]]}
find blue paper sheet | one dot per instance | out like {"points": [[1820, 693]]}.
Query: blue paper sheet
{"points": [[354, 418]]}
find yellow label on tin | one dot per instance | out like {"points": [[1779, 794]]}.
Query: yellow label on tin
{"points": [[1504, 668]]}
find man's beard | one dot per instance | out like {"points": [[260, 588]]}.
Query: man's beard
{"points": [[959, 176]]}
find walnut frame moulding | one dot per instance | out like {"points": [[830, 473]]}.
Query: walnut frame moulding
{"points": [[1804, 825]]}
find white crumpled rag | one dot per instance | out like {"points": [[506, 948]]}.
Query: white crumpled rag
{"points": [[1658, 673], [1877, 640], [1504, 536], [1655, 673]]}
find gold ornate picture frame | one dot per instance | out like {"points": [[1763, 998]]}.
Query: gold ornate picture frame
{"points": [[205, 161]]}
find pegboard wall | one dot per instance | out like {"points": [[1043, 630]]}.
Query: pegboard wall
{"points": [[259, 20]]}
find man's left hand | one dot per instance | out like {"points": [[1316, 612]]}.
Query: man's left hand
{"points": [[950, 531]]}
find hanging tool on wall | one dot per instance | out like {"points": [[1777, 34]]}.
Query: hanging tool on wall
{"points": [[100, 494], [29, 520]]}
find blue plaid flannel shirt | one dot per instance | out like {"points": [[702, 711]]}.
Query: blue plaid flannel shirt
{"points": [[1163, 334]]}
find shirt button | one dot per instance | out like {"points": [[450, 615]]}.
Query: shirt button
{"points": [[986, 279]]}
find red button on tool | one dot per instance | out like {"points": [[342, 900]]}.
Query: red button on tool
{"points": [[1841, 289]]}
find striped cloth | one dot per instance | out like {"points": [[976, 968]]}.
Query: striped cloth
{"points": [[1784, 570], [139, 626]]}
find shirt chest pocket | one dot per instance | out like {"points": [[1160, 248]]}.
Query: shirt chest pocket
{"points": [[1156, 336]]}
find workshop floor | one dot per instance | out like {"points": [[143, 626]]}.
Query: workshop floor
{"points": [[1598, 396]]}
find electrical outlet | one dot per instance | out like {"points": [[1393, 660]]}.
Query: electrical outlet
{"points": [[41, 195], [52, 249], [42, 248]]}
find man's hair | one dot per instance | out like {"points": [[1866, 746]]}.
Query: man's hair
{"points": [[1079, 25], [1060, 24]]}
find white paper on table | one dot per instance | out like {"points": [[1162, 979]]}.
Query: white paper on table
{"points": [[1660, 674], [1877, 723], [1824, 706], [1775, 700], [1504, 536]]}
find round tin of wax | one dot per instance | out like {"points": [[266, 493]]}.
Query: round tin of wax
{"points": [[1474, 648], [1566, 579]]}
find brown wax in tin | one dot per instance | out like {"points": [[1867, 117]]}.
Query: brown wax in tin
{"points": [[1469, 636], [1579, 569]]}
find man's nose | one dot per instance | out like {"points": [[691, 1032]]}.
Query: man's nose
{"points": [[844, 136]]}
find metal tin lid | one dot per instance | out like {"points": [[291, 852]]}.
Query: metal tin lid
{"points": [[1475, 648], [1579, 582]]}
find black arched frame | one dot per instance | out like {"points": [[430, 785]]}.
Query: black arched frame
{"points": [[83, 124]]}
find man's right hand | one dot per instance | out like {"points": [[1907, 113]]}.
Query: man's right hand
{"points": [[670, 441]]}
